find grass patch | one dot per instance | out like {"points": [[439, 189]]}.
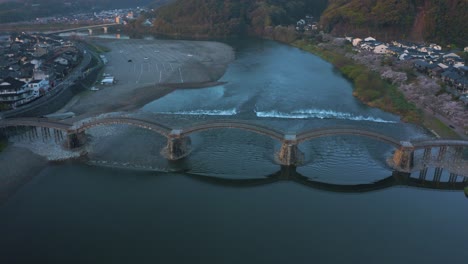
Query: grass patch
{"points": [[97, 48], [3, 144], [441, 91], [440, 128], [368, 86]]}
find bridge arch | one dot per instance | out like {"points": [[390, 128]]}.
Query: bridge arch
{"points": [[326, 132], [161, 129], [220, 124]]}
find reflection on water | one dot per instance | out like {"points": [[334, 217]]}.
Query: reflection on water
{"points": [[175, 217], [454, 183]]}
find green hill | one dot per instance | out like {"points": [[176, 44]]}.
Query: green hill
{"points": [[442, 21], [231, 17]]}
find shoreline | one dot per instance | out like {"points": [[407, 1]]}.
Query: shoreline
{"points": [[429, 121], [147, 70], [201, 70]]}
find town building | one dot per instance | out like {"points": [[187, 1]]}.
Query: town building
{"points": [[13, 93]]}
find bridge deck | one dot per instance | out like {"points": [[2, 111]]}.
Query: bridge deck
{"points": [[440, 143], [164, 130], [323, 132]]}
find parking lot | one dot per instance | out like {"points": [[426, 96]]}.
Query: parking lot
{"points": [[142, 68], [149, 62]]}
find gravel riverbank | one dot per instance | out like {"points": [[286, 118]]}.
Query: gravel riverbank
{"points": [[145, 70]]}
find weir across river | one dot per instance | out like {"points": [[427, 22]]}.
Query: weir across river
{"points": [[73, 135]]}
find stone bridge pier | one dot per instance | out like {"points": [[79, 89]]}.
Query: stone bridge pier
{"points": [[75, 139], [177, 147], [403, 158], [289, 153], [287, 173], [401, 178]]}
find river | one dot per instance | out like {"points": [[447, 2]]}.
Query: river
{"points": [[225, 202]]}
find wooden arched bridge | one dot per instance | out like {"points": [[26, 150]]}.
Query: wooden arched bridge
{"points": [[178, 145]]}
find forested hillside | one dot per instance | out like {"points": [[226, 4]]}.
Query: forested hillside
{"points": [[231, 17], [442, 21]]}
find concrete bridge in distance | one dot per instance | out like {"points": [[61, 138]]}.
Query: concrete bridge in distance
{"points": [[178, 139], [89, 28]]}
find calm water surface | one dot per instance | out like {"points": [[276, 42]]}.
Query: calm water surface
{"points": [[232, 204]]}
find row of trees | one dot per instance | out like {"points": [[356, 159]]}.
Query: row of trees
{"points": [[369, 86]]}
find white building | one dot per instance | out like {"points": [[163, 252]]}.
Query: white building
{"points": [[38, 87], [443, 66], [14, 92], [108, 80], [39, 74], [103, 58], [61, 61], [435, 47], [451, 55], [356, 42], [381, 49]]}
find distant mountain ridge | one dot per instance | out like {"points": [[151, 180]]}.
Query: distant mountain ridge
{"points": [[23, 10], [84, 3]]}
